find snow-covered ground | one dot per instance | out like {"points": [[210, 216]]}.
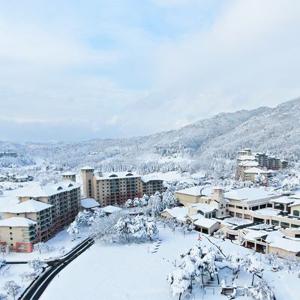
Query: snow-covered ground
{"points": [[139, 271]]}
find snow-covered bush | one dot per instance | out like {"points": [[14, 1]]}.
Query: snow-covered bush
{"points": [[261, 291], [12, 288], [196, 267], [135, 229]]}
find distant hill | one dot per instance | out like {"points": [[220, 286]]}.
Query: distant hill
{"points": [[208, 144]]}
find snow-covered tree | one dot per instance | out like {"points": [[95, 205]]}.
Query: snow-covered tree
{"points": [[37, 265], [155, 204], [12, 288], [168, 198], [135, 229], [195, 267], [73, 230], [261, 291]]}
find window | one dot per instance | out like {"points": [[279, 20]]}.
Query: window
{"points": [[296, 213]]}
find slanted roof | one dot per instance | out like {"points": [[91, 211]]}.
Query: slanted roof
{"points": [[197, 190], [253, 235], [179, 213], [16, 222], [205, 222], [110, 209], [277, 240], [36, 190], [116, 175], [205, 208], [29, 206], [89, 203]]}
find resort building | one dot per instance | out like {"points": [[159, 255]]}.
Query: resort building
{"points": [[117, 188], [49, 208], [257, 166], [69, 176], [18, 233]]}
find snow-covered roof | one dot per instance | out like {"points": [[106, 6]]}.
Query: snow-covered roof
{"points": [[205, 208], [197, 191], [180, 213], [69, 173], [255, 170], [28, 206], [89, 203], [150, 177], [87, 168], [110, 209], [16, 222], [37, 190], [285, 244], [237, 221], [249, 194], [268, 211], [247, 163], [246, 157], [205, 222], [116, 175], [296, 202], [283, 200], [252, 235]]}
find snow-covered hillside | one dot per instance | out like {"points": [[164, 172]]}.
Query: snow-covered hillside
{"points": [[209, 144]]}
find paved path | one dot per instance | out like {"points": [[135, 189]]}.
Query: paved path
{"points": [[38, 286]]}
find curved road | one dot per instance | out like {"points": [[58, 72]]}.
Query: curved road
{"points": [[38, 286]]}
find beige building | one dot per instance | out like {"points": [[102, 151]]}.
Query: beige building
{"points": [[18, 233], [69, 176], [116, 188], [197, 196], [257, 166], [50, 207], [36, 211]]}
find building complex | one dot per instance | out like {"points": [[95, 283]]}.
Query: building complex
{"points": [[259, 217], [117, 188], [251, 166], [39, 213]]}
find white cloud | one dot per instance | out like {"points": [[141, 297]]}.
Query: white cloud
{"points": [[245, 56]]}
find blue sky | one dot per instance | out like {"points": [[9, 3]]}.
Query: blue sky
{"points": [[75, 70]]}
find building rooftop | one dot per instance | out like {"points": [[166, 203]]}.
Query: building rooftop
{"points": [[283, 200], [255, 170], [179, 213], [69, 173], [89, 203], [28, 206], [267, 212], [16, 222], [248, 163], [205, 208], [37, 190], [205, 222], [249, 194], [110, 209], [197, 190], [116, 175]]}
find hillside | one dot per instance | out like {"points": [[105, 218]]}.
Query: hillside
{"points": [[208, 144]]}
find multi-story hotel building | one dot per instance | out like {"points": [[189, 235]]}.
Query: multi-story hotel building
{"points": [[117, 188], [250, 165], [50, 207]]}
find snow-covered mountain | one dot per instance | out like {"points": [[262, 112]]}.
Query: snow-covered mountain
{"points": [[209, 144]]}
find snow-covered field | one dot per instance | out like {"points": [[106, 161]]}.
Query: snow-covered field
{"points": [[139, 271]]}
